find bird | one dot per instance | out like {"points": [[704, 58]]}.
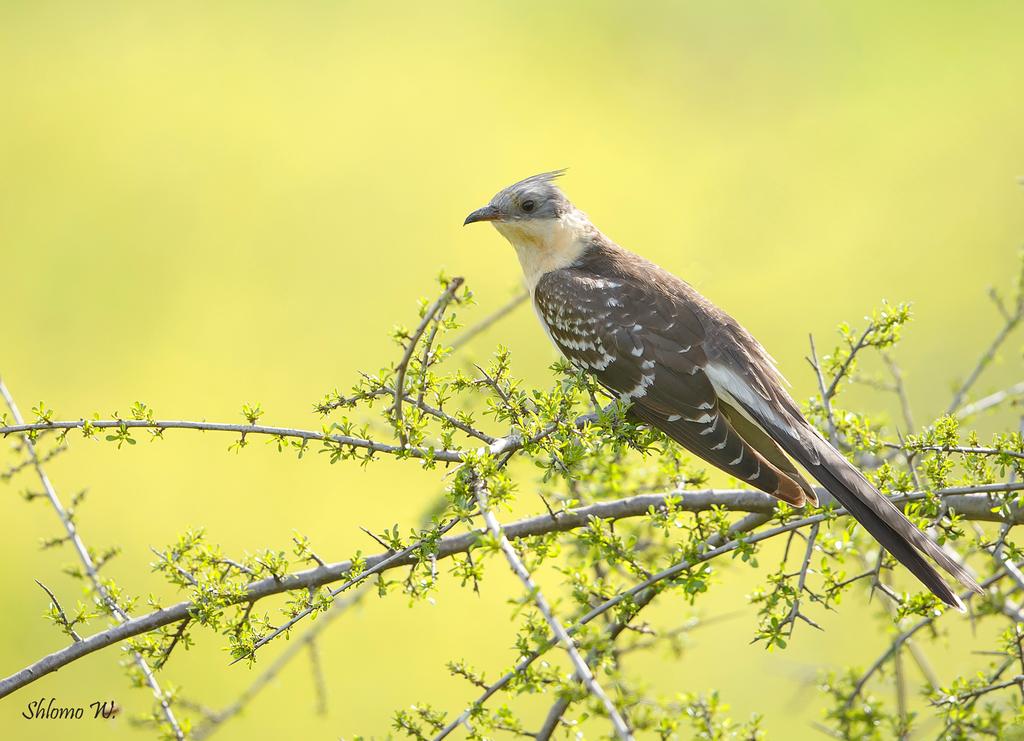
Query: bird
{"points": [[687, 368]]}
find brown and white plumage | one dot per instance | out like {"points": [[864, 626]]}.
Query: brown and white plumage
{"points": [[686, 367]]}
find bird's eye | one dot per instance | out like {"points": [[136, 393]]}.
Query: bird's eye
{"points": [[528, 206]]}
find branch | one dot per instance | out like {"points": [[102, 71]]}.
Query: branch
{"points": [[90, 568], [447, 456], [905, 636], [42, 459], [485, 323], [62, 616], [216, 719], [972, 502], [519, 568], [974, 694], [327, 407], [856, 348], [826, 394], [391, 559], [508, 444], [436, 309], [992, 400], [966, 449], [553, 719], [1011, 321], [805, 567], [900, 389], [642, 595]]}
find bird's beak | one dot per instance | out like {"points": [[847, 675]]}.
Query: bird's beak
{"points": [[487, 213]]}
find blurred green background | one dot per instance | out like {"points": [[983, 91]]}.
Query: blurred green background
{"points": [[216, 203]]}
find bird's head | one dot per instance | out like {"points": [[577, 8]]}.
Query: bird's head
{"points": [[547, 231], [527, 206]]}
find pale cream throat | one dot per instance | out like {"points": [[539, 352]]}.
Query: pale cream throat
{"points": [[544, 245]]}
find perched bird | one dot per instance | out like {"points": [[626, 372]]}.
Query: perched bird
{"points": [[686, 367]]}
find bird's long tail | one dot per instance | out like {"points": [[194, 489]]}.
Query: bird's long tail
{"points": [[877, 514]]}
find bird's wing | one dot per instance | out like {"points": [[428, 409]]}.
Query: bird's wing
{"points": [[743, 373], [694, 373], [648, 347]]}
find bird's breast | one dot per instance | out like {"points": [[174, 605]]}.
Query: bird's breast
{"points": [[542, 246]]}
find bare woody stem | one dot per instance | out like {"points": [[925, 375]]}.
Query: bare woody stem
{"points": [[1011, 322], [90, 567], [434, 311], [963, 449], [972, 502], [641, 595], [503, 445], [856, 348], [1011, 393], [583, 672], [485, 323], [447, 456], [215, 720], [382, 565]]}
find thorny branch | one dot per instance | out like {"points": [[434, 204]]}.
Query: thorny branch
{"points": [[1012, 394], [1011, 320], [386, 561], [90, 567], [215, 719], [407, 383], [484, 324], [583, 671], [432, 315], [971, 502], [62, 616], [907, 634]]}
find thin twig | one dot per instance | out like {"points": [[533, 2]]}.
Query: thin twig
{"points": [[519, 568], [903, 637], [805, 567], [507, 444], [60, 612], [985, 403], [184, 574], [182, 626], [966, 449], [485, 323], [450, 456], [973, 694], [826, 394], [319, 683], [418, 402], [217, 718], [382, 565], [1010, 323], [28, 462], [90, 568], [845, 367], [901, 695], [435, 308], [900, 389]]}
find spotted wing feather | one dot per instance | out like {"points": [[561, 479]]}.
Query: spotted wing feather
{"points": [[648, 349], [693, 372]]}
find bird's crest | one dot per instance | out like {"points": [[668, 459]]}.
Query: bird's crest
{"points": [[544, 178]]}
